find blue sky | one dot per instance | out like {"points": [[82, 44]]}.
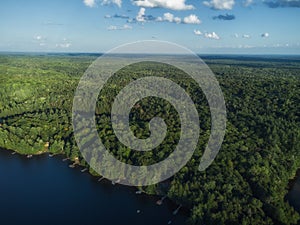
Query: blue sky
{"points": [[212, 26]]}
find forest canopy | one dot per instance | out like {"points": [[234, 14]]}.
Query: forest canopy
{"points": [[247, 182]]}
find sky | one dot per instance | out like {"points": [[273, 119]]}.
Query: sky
{"points": [[204, 26]]}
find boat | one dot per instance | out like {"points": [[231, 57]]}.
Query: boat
{"points": [[160, 201], [100, 179], [29, 156], [13, 153], [83, 170], [139, 192]]}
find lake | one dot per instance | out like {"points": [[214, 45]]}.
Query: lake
{"points": [[44, 190], [294, 194]]}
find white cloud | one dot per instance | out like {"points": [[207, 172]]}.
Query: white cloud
{"points": [[168, 4], [38, 37], [111, 27], [191, 19], [236, 35], [177, 20], [92, 3], [127, 27], [89, 3], [124, 27], [246, 36], [117, 2], [265, 35], [247, 3], [141, 15], [64, 45], [169, 17], [197, 32], [212, 35], [220, 4], [245, 46]]}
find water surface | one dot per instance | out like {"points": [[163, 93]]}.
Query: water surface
{"points": [[44, 190], [294, 194]]}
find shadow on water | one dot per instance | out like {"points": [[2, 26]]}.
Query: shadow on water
{"points": [[293, 197], [44, 190]]}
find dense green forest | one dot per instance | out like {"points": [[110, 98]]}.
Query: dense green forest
{"points": [[247, 182]]}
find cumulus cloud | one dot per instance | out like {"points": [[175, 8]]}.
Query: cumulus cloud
{"points": [[40, 40], [92, 3], [220, 4], [191, 19], [282, 3], [141, 15], [265, 35], [212, 35], [38, 37], [197, 32], [117, 2], [224, 17], [89, 3], [124, 27], [168, 4], [169, 17], [246, 36]]}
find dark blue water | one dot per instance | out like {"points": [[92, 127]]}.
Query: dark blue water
{"points": [[45, 190], [294, 194]]}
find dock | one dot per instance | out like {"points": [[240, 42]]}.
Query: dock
{"points": [[160, 201], [72, 166], [83, 170], [100, 179], [177, 210]]}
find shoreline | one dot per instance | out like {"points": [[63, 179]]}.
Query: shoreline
{"points": [[293, 180], [185, 210], [25, 189]]}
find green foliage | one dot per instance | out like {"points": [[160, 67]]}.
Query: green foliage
{"points": [[247, 182]]}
